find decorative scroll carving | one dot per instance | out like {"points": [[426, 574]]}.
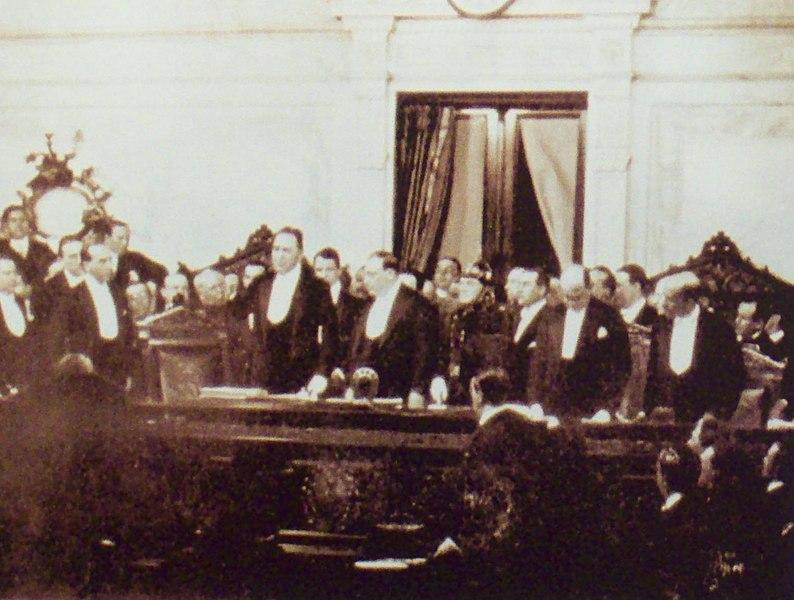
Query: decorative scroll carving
{"points": [[57, 185], [728, 277], [256, 249]]}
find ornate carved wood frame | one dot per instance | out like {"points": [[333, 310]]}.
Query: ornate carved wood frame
{"points": [[55, 176]]}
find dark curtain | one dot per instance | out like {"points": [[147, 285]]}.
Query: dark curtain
{"points": [[425, 145]]}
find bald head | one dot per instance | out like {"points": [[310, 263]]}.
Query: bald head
{"points": [[679, 293], [211, 288], [175, 286], [573, 285], [513, 282]]}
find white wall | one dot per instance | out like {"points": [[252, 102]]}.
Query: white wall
{"points": [[207, 118], [713, 131]]}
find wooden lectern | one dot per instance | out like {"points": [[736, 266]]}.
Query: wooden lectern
{"points": [[187, 350]]}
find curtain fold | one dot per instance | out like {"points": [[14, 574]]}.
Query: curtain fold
{"points": [[425, 158], [463, 230], [551, 149]]}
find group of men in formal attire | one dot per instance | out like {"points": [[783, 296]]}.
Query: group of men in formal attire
{"points": [[300, 325]]}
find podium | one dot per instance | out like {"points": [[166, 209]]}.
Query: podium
{"points": [[186, 350]]}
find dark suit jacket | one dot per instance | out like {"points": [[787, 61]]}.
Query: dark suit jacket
{"points": [[598, 372], [145, 267], [47, 295], [17, 352], [32, 267], [403, 356], [77, 319], [348, 308], [713, 382], [304, 344], [520, 353]]}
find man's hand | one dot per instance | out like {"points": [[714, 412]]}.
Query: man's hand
{"points": [[439, 392], [416, 399], [317, 385], [23, 290], [773, 328]]}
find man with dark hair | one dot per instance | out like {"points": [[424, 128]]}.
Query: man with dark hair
{"points": [[294, 321], [32, 257], [530, 295], [129, 265], [95, 318], [328, 267], [630, 295], [391, 333], [582, 360], [602, 284], [68, 275], [695, 364]]}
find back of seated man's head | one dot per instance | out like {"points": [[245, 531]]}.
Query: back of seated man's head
{"points": [[491, 386], [73, 364], [678, 470]]}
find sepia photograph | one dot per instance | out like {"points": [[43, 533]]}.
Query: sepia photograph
{"points": [[397, 299]]}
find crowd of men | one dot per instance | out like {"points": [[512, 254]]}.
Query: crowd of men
{"points": [[305, 325]]}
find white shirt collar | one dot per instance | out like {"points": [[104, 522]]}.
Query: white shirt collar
{"points": [[105, 307], [12, 314], [528, 314], [380, 310], [281, 293], [336, 289], [572, 328], [682, 341], [630, 313], [21, 245], [73, 280]]}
